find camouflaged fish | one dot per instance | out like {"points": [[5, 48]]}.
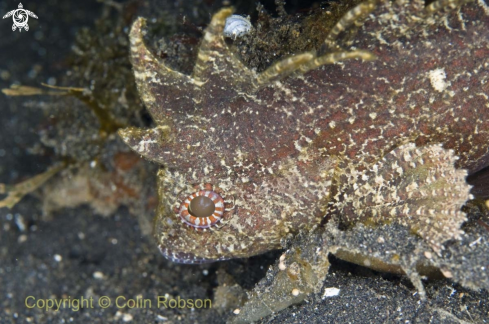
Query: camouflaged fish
{"points": [[249, 158]]}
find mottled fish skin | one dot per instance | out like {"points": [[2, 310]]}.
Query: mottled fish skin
{"points": [[270, 143]]}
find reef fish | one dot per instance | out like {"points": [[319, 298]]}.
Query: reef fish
{"points": [[249, 158]]}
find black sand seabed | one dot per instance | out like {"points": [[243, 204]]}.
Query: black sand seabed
{"points": [[80, 254]]}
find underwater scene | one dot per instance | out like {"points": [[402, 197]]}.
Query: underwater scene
{"points": [[228, 161]]}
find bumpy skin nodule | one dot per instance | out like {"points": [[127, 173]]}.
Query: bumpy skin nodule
{"points": [[275, 145]]}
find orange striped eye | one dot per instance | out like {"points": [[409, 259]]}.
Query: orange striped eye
{"points": [[202, 209]]}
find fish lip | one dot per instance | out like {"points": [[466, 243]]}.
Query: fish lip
{"points": [[185, 257]]}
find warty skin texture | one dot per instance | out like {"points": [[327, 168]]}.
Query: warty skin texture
{"points": [[275, 145]]}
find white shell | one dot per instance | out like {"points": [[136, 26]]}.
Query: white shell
{"points": [[236, 26]]}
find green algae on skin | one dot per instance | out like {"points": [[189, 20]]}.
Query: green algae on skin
{"points": [[275, 147]]}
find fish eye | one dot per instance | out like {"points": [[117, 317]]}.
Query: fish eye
{"points": [[202, 209]]}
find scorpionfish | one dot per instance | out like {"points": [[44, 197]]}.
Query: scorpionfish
{"points": [[250, 158]]}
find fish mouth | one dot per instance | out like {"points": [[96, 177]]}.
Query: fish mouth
{"points": [[185, 257]]}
